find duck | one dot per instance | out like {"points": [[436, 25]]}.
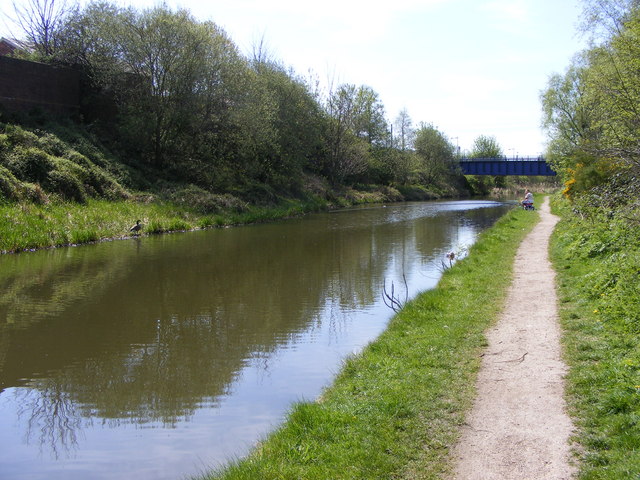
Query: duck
{"points": [[137, 227]]}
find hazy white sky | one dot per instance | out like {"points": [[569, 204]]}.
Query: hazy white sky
{"points": [[469, 67]]}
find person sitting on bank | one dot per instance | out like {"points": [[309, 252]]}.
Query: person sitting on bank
{"points": [[528, 199]]}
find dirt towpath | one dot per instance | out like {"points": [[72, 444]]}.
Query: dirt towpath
{"points": [[518, 427]]}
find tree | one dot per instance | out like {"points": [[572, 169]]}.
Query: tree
{"points": [[613, 86], [435, 153], [368, 120], [178, 83], [348, 154], [286, 109], [605, 19], [42, 22], [569, 116], [405, 133], [486, 146]]}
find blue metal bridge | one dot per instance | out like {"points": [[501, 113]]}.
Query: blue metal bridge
{"points": [[502, 166]]}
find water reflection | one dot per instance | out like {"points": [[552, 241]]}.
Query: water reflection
{"points": [[155, 331]]}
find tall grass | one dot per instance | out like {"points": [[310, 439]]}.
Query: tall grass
{"points": [[395, 409], [25, 226], [598, 265]]}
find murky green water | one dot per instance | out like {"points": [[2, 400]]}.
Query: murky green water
{"points": [[161, 357]]}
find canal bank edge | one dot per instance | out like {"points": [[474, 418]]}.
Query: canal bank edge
{"points": [[396, 409], [27, 227]]}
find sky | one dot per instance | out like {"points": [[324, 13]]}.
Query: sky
{"points": [[468, 67]]}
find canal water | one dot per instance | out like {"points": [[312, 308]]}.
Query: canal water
{"points": [[162, 357]]}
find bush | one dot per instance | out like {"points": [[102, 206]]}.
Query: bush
{"points": [[65, 180], [206, 202], [96, 181], [51, 144], [29, 164], [415, 193], [4, 144], [34, 193], [18, 136], [9, 185]]}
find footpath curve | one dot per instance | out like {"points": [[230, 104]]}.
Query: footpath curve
{"points": [[518, 427]]}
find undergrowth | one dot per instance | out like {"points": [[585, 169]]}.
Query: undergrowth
{"points": [[597, 258]]}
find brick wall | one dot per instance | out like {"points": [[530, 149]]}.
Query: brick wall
{"points": [[25, 85]]}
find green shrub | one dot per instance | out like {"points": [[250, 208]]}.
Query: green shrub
{"points": [[20, 137], [51, 144], [206, 202], [34, 193], [97, 182], [29, 164], [4, 144], [415, 192], [9, 185], [65, 180]]}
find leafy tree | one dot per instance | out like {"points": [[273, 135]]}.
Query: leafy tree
{"points": [[486, 146], [368, 120], [295, 121], [347, 153], [605, 19], [591, 113], [614, 87], [178, 83], [566, 116], [166, 50], [435, 154]]}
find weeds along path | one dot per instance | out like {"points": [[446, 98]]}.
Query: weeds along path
{"points": [[518, 427]]}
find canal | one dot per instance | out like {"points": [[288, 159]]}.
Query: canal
{"points": [[164, 356]]}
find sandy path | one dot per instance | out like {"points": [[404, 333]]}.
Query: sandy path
{"points": [[518, 427]]}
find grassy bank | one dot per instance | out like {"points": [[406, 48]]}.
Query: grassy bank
{"points": [[27, 226], [598, 263], [395, 409]]}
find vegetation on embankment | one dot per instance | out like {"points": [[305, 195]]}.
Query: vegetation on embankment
{"points": [[59, 186], [591, 114], [395, 408], [596, 255]]}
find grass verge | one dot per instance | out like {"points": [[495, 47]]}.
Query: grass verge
{"points": [[396, 408], [28, 226], [597, 260]]}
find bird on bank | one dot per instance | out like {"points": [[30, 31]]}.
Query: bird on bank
{"points": [[137, 227]]}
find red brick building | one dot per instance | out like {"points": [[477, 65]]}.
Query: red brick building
{"points": [[8, 46]]}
